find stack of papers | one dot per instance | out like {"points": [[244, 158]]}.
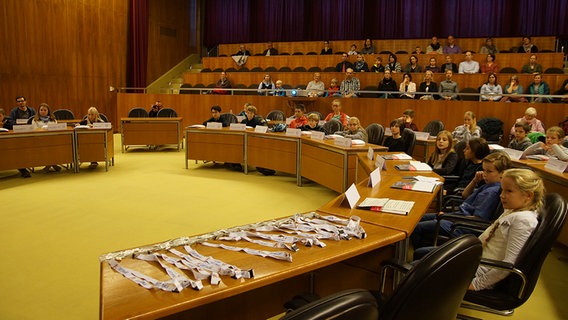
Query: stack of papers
{"points": [[414, 166], [397, 156], [422, 186], [387, 205]]}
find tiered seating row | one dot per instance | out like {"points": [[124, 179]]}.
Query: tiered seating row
{"points": [[514, 60], [394, 45]]}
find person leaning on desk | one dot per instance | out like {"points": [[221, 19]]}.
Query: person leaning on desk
{"points": [[216, 117], [252, 119]]}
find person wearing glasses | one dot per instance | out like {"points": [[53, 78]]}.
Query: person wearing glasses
{"points": [[22, 111]]}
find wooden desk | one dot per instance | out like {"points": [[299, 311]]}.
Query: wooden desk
{"points": [[150, 131], [330, 165], [274, 282], [222, 145], [274, 151], [94, 145], [37, 148]]}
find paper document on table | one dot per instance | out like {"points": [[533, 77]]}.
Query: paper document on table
{"points": [[387, 205], [422, 186]]}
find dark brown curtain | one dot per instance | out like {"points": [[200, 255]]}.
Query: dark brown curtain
{"points": [[138, 44]]}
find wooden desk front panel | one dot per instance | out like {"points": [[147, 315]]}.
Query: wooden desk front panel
{"points": [[215, 145], [25, 150], [94, 145], [123, 299], [323, 166], [156, 133], [273, 152]]}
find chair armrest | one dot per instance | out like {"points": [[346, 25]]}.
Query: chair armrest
{"points": [[507, 266], [477, 228]]}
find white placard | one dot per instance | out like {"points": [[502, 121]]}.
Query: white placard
{"points": [[238, 126], [352, 195], [102, 125], [374, 177], [556, 165], [293, 132], [56, 126], [342, 142], [370, 154], [23, 128], [318, 135], [261, 129], [21, 121], [214, 125], [381, 163], [422, 135]]}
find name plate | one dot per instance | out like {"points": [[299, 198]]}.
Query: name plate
{"points": [[102, 125], [21, 121], [214, 125], [381, 163], [56, 126], [342, 142], [238, 126], [261, 129], [556, 165], [352, 195], [318, 135], [23, 128], [370, 154], [293, 132], [422, 135], [374, 178]]}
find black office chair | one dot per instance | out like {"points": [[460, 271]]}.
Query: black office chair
{"points": [[491, 129], [314, 69], [332, 126], [409, 140], [270, 69], [300, 69], [285, 69], [469, 94], [554, 70], [376, 133], [138, 113], [231, 118], [516, 289], [63, 114], [256, 69], [167, 113], [184, 88], [508, 70], [434, 127], [276, 115], [424, 293], [329, 69]]}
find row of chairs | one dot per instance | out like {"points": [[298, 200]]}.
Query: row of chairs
{"points": [[138, 112], [66, 114], [551, 70], [312, 53]]}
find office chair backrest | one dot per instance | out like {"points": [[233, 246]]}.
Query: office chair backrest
{"points": [[376, 133], [167, 113], [63, 114], [332, 126], [434, 287], [491, 129], [228, 116], [345, 305], [409, 140], [276, 115], [434, 127], [138, 113]]}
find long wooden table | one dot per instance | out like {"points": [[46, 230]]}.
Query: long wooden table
{"points": [[274, 281], [151, 131]]}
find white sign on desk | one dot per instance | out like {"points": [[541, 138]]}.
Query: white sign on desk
{"points": [[214, 125], [21, 121], [102, 125], [23, 128], [238, 126], [342, 142], [556, 165], [370, 154], [422, 135], [293, 132], [261, 129], [374, 177], [317, 135], [56, 126], [352, 195], [381, 163]]}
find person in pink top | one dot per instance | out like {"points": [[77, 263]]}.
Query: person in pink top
{"points": [[530, 119]]}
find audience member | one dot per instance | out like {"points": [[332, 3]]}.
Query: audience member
{"points": [[22, 111], [515, 89], [378, 66], [539, 87], [42, 117], [532, 66], [531, 120], [491, 90], [216, 117], [155, 108], [452, 47], [563, 91], [222, 84], [432, 66], [242, 51], [333, 88], [444, 159], [270, 50], [313, 124], [449, 65], [326, 48], [266, 86], [316, 87], [413, 66], [5, 121], [92, 117], [353, 51], [448, 88], [417, 50], [393, 66], [243, 113], [407, 87], [300, 119], [553, 147], [527, 46], [354, 130], [475, 150], [434, 47], [344, 64], [350, 86], [387, 84], [279, 90], [489, 47], [360, 65], [337, 114], [469, 65], [395, 142], [252, 119], [469, 129], [520, 141], [368, 47], [428, 85], [408, 120], [489, 66]]}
